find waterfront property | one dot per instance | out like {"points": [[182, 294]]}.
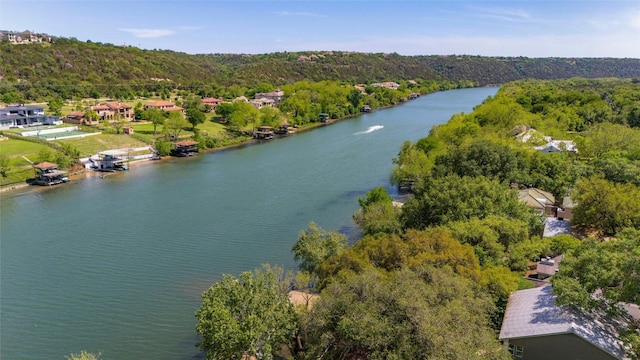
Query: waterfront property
{"points": [[185, 148], [107, 162], [25, 116], [264, 133], [535, 328], [323, 118], [47, 174]]}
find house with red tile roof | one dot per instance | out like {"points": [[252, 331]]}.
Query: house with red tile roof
{"points": [[164, 106]]}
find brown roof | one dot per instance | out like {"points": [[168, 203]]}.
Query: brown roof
{"points": [[186, 143], [211, 100], [100, 107], [45, 165], [118, 105], [76, 113], [160, 103]]}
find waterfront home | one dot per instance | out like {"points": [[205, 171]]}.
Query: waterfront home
{"points": [[535, 328], [24, 116], [185, 148], [48, 174]]}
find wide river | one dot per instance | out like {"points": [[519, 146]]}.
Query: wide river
{"points": [[116, 265]]}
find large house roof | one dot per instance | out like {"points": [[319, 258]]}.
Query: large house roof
{"points": [[536, 198], [532, 313]]}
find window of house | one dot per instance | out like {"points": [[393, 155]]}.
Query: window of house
{"points": [[516, 350]]}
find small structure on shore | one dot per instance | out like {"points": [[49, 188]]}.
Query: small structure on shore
{"points": [[264, 133], [108, 163], [365, 109], [185, 148], [323, 118], [284, 129], [47, 174]]}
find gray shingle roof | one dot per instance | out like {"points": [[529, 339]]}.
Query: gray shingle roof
{"points": [[532, 313]]}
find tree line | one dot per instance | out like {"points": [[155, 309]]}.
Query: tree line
{"points": [[71, 69], [431, 278]]}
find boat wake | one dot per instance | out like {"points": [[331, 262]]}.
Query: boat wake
{"points": [[369, 130]]}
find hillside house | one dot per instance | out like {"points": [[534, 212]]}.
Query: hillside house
{"points": [[211, 102], [276, 96], [535, 328], [25, 116], [542, 201], [262, 102]]}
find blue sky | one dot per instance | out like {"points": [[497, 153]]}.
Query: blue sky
{"points": [[489, 28]]}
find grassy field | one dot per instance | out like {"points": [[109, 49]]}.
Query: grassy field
{"points": [[20, 168], [93, 144]]}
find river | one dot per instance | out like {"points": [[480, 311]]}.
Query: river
{"points": [[116, 265]]}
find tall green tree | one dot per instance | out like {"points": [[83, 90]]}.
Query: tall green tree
{"points": [[175, 124], [156, 116], [315, 245], [452, 198], [606, 206], [55, 106], [195, 117], [245, 316], [400, 315]]}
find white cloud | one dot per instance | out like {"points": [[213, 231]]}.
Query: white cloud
{"points": [[512, 15], [149, 33], [288, 13]]}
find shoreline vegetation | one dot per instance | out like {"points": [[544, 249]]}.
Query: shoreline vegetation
{"points": [[234, 133], [465, 241]]}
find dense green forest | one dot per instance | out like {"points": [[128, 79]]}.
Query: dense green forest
{"points": [[69, 68], [431, 279]]}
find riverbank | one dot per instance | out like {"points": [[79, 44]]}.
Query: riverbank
{"points": [[79, 175]]}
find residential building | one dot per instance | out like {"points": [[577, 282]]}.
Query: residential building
{"points": [[25, 37], [565, 212], [262, 102], [535, 328], [276, 96], [548, 267], [120, 110], [164, 106], [211, 102], [543, 201], [24, 116]]}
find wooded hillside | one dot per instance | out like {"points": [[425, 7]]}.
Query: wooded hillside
{"points": [[71, 68]]}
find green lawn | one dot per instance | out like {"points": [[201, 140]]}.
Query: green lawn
{"points": [[93, 144], [21, 169]]}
